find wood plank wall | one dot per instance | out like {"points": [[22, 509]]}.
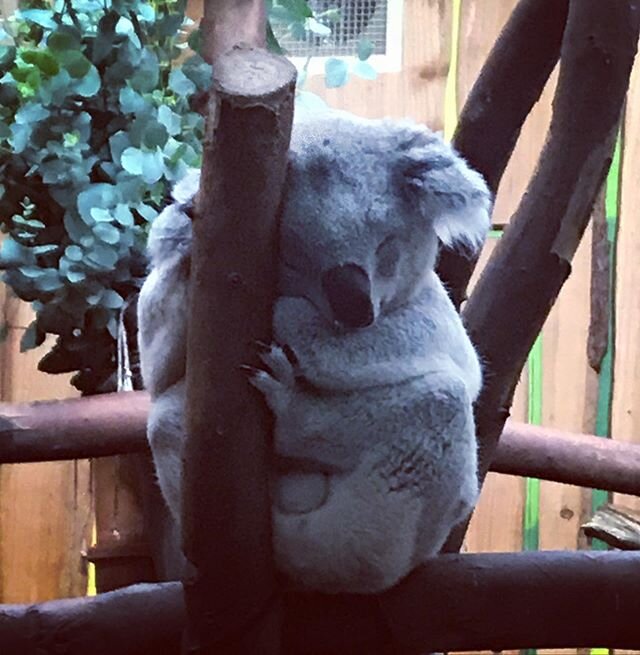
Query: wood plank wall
{"points": [[45, 509], [497, 521]]}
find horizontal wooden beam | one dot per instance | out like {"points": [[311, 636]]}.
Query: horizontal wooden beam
{"points": [[78, 428], [144, 618], [580, 459], [458, 602], [114, 424]]}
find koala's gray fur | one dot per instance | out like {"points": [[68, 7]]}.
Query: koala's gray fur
{"points": [[372, 376]]}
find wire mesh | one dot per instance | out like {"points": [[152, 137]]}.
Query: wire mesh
{"points": [[349, 21]]}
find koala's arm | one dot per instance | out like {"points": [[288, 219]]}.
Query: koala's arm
{"points": [[424, 337], [162, 324], [164, 298]]}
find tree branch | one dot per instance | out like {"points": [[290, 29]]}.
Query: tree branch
{"points": [[617, 526], [115, 424], [226, 518], [92, 426], [510, 83], [578, 459], [458, 602], [523, 277], [137, 620]]}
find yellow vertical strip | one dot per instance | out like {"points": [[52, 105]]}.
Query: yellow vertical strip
{"points": [[91, 567], [451, 90]]}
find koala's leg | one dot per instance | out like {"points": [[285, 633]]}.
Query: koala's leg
{"points": [[451, 490], [416, 478], [361, 540], [166, 434]]}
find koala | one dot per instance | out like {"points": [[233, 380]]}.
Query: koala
{"points": [[162, 334], [371, 376]]}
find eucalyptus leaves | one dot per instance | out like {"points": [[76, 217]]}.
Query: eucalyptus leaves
{"points": [[95, 124]]}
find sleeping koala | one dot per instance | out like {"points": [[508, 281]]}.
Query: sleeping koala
{"points": [[371, 377]]}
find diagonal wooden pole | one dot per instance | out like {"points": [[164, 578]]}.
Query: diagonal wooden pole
{"points": [[523, 277]]}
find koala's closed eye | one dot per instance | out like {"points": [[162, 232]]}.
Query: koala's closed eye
{"points": [[387, 257]]}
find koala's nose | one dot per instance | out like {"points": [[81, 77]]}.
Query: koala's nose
{"points": [[348, 291]]}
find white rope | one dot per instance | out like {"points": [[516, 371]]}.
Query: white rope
{"points": [[125, 376]]}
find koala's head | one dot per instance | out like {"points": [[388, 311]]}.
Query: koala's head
{"points": [[170, 232], [365, 205]]}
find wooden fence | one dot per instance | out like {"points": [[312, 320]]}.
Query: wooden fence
{"points": [[47, 510]]}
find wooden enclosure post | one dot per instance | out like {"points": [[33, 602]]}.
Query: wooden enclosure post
{"points": [[231, 595]]}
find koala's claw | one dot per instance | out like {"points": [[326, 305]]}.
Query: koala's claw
{"points": [[276, 383], [290, 355], [277, 394], [280, 366]]}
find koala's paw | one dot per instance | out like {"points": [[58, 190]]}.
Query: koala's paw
{"points": [[278, 381], [300, 492]]}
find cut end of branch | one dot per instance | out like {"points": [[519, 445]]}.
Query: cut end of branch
{"points": [[252, 75]]}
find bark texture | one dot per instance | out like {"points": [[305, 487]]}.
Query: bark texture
{"points": [[578, 459], [93, 426], [230, 586], [617, 526], [227, 23]]}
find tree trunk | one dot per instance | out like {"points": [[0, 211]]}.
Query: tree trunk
{"points": [[231, 593]]}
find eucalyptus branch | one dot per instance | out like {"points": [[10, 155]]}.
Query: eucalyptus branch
{"points": [[68, 5], [137, 27]]}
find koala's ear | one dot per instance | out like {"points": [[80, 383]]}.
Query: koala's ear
{"points": [[453, 196]]}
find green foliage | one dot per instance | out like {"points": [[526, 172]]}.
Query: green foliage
{"points": [[96, 124]]}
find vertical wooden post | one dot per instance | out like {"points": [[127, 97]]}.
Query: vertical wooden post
{"points": [[231, 595], [226, 23]]}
